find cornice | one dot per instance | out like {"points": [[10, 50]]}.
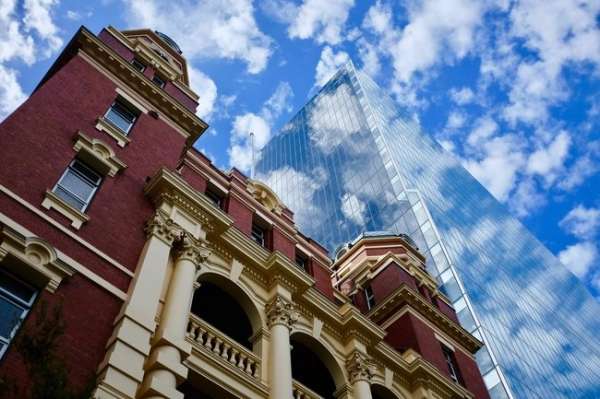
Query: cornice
{"points": [[165, 103], [405, 294]]}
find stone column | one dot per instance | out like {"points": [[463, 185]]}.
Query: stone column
{"points": [[359, 372], [280, 316], [164, 368], [122, 369]]}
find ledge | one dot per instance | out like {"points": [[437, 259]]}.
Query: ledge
{"points": [[53, 201], [117, 134]]}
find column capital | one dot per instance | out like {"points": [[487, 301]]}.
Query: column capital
{"points": [[162, 227], [191, 249], [359, 367], [281, 311]]}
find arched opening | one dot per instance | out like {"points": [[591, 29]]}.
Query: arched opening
{"points": [[381, 392], [223, 305], [314, 367]]}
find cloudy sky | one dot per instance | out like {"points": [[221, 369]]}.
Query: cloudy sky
{"points": [[511, 88]]}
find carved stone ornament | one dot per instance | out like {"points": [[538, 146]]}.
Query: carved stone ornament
{"points": [[163, 228], [359, 367], [191, 249], [280, 311]]}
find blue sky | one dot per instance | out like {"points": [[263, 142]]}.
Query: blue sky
{"points": [[511, 88]]}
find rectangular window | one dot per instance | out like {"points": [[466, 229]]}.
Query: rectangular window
{"points": [[302, 261], [16, 299], [157, 80], [216, 197], [259, 234], [138, 65], [451, 362], [78, 185], [369, 297], [121, 115]]}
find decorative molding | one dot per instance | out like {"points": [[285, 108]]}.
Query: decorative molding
{"points": [[190, 249], [40, 259], [265, 196], [281, 312], [98, 155], [103, 125], [359, 367], [53, 201], [163, 228]]}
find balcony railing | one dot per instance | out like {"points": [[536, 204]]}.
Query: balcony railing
{"points": [[301, 392], [212, 341]]}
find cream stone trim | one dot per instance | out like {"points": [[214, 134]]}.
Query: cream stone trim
{"points": [[53, 201], [145, 53], [98, 155], [181, 86], [45, 265], [103, 125], [265, 196], [444, 341], [5, 220], [130, 98]]}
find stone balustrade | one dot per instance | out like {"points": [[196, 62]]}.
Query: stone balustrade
{"points": [[302, 392], [213, 341]]}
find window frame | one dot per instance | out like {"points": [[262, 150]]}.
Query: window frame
{"points": [[161, 82], [135, 63], [263, 237], [453, 369], [369, 296], [19, 302], [126, 106], [304, 258], [95, 185], [216, 197]]}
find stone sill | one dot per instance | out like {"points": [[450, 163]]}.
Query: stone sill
{"points": [[53, 201], [117, 134]]}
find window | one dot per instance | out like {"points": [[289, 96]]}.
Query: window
{"points": [[302, 261], [258, 234], [369, 297], [78, 185], [157, 80], [121, 115], [16, 299], [216, 197], [451, 362], [138, 65]]}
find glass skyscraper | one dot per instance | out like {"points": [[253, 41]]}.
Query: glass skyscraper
{"points": [[351, 161]]}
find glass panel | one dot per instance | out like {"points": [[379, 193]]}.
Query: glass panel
{"points": [[484, 361], [121, 117], [10, 315], [16, 288]]}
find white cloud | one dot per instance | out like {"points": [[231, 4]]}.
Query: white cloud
{"points": [[582, 222], [456, 120], [328, 65], [283, 11], [26, 39], [37, 18], [559, 32], [463, 96], [240, 149], [485, 127], [526, 198], [322, 20], [585, 166], [206, 89], [209, 29], [579, 258], [548, 161], [354, 209], [497, 169], [11, 94], [370, 58]]}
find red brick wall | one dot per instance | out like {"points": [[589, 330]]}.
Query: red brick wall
{"points": [[88, 312], [44, 127], [389, 280], [180, 96], [446, 309], [470, 375], [240, 213], [322, 278], [283, 244], [115, 44], [195, 180]]}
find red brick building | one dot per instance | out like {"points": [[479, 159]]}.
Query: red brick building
{"points": [[174, 279]]}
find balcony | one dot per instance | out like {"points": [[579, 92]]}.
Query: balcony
{"points": [[222, 349], [302, 392]]}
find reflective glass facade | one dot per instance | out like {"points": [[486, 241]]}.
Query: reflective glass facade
{"points": [[351, 161]]}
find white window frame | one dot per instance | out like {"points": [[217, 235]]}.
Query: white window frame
{"points": [[123, 104], [95, 185], [369, 296]]}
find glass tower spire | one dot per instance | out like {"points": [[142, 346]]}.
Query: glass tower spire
{"points": [[351, 161]]}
